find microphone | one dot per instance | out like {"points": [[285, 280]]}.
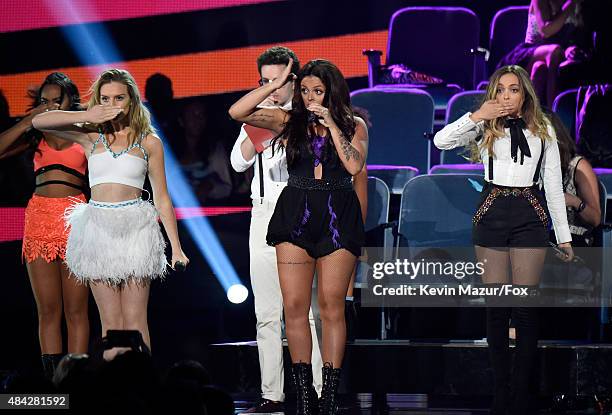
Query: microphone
{"points": [[312, 117], [179, 266], [311, 124]]}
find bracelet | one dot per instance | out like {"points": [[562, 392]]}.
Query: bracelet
{"points": [[580, 207]]}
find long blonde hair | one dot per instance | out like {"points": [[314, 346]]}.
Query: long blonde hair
{"points": [[139, 117], [531, 112]]}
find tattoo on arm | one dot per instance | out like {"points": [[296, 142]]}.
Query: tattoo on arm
{"points": [[348, 150], [260, 116]]}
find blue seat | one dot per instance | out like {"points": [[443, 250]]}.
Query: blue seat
{"points": [[378, 203], [466, 168], [437, 41], [507, 30], [437, 210], [400, 120], [378, 234], [459, 104], [395, 177], [605, 178], [440, 94], [565, 107], [603, 199], [606, 272]]}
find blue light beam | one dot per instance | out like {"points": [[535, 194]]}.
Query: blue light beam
{"points": [[202, 233]]}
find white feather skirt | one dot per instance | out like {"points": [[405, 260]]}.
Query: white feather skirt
{"points": [[113, 243]]}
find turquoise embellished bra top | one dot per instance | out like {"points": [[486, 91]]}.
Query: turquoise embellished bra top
{"points": [[121, 168]]}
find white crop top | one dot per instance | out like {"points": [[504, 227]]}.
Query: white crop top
{"points": [[122, 168]]}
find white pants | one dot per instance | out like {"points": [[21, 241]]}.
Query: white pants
{"points": [[269, 308]]}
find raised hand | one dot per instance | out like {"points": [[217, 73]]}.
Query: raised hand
{"points": [[323, 114], [99, 114], [285, 77], [490, 110], [41, 108]]}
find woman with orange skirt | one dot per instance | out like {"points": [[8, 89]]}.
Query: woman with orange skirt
{"points": [[60, 181]]}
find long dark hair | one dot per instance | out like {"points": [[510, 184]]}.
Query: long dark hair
{"points": [[67, 88], [337, 99]]}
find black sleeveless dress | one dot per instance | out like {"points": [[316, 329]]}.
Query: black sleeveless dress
{"points": [[319, 215]]}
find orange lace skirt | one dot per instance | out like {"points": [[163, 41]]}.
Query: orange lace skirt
{"points": [[45, 232]]}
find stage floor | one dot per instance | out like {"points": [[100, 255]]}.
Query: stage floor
{"points": [[431, 377], [413, 404]]}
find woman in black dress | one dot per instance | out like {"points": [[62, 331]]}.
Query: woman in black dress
{"points": [[317, 223]]}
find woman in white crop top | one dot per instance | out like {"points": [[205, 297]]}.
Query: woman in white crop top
{"points": [[115, 242], [518, 148]]}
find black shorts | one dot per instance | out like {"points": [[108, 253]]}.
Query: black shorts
{"points": [[319, 221], [511, 217]]}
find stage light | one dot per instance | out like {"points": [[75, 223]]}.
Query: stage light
{"points": [[91, 42], [237, 293], [199, 228]]}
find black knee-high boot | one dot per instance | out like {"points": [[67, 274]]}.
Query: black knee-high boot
{"points": [[498, 323], [525, 357], [306, 396], [50, 363]]}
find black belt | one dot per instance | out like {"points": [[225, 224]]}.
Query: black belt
{"points": [[308, 183]]}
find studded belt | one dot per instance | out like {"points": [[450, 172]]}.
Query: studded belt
{"points": [[308, 183], [526, 192], [114, 205]]}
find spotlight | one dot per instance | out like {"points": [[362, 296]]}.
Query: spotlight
{"points": [[237, 293]]}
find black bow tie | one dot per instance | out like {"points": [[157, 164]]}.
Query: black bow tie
{"points": [[517, 138]]}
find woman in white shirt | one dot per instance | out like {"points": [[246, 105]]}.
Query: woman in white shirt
{"points": [[518, 148]]}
